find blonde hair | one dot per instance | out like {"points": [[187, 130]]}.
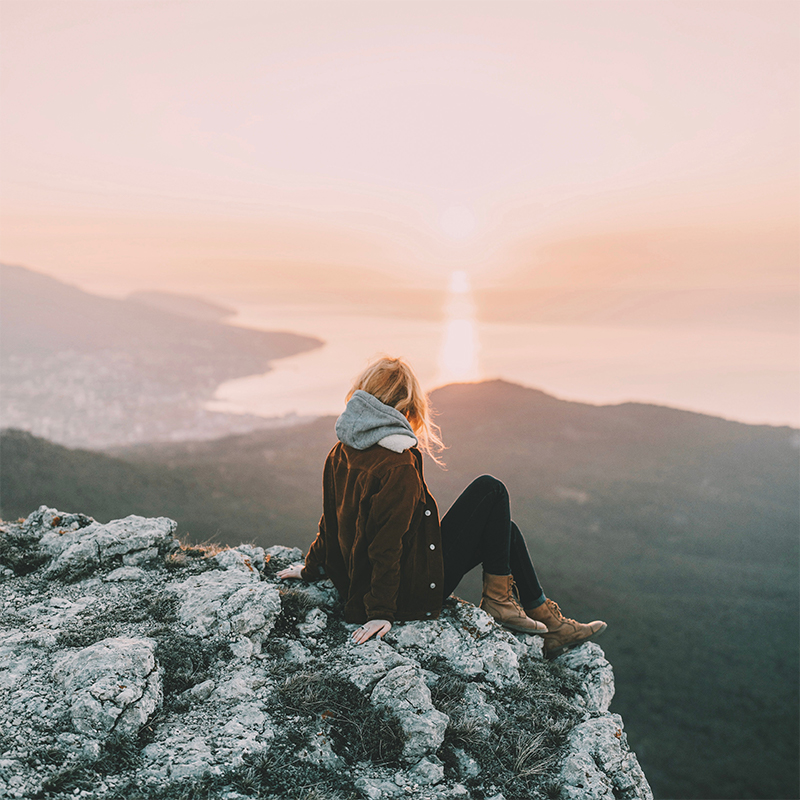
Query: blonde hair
{"points": [[394, 382]]}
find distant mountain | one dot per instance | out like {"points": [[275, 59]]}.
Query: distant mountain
{"points": [[679, 529], [183, 305], [83, 369]]}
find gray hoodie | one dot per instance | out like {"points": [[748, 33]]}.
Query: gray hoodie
{"points": [[367, 421]]}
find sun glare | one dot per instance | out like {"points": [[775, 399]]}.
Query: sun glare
{"points": [[458, 357]]}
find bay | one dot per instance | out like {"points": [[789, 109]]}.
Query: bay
{"points": [[746, 375]]}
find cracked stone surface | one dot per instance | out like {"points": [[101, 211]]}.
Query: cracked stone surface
{"points": [[117, 631], [113, 686], [96, 545], [599, 763], [229, 602], [404, 691]]}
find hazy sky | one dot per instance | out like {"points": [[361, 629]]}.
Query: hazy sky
{"points": [[160, 144]]}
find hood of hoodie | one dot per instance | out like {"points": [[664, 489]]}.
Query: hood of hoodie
{"points": [[367, 421]]}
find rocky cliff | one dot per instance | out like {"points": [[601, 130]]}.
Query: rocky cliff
{"points": [[132, 666]]}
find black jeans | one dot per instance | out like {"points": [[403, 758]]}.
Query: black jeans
{"points": [[478, 530]]}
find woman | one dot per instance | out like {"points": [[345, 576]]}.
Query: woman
{"points": [[380, 540]]}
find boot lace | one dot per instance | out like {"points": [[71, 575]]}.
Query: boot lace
{"points": [[514, 596], [557, 611]]}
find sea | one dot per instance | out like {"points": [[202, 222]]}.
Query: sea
{"points": [[745, 375]]}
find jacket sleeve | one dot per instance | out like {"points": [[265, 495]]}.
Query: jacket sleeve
{"points": [[392, 510], [316, 558], [314, 569]]}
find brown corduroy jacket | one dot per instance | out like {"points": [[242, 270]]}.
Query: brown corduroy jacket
{"points": [[379, 539]]}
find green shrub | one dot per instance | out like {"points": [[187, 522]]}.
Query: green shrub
{"points": [[522, 750], [77, 635], [186, 660], [162, 608], [118, 754], [273, 773], [358, 730], [116, 620], [277, 771], [295, 604]]}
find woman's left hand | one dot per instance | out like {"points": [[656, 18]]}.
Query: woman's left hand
{"points": [[375, 626], [291, 572]]}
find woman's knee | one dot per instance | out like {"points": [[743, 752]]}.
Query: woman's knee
{"points": [[487, 484]]}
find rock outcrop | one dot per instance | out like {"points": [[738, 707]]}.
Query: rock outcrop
{"points": [[133, 666]]}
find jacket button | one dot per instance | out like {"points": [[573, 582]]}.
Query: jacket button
{"points": [[433, 586], [427, 512], [433, 547]]}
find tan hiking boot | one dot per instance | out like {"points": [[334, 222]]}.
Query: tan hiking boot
{"points": [[499, 602], [562, 633]]}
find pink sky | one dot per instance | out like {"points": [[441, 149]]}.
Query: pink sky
{"points": [[202, 145]]}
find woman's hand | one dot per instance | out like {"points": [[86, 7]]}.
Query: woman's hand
{"points": [[291, 572], [369, 629]]}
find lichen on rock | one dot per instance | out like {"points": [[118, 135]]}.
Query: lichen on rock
{"points": [[133, 666]]}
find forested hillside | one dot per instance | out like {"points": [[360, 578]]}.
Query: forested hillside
{"points": [[678, 529]]}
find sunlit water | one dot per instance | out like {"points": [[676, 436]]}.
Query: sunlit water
{"points": [[749, 376], [460, 345]]}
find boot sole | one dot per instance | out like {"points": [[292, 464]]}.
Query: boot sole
{"points": [[520, 629], [551, 654], [510, 626]]}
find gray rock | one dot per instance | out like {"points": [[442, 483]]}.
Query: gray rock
{"points": [[112, 686], [583, 780], [280, 553], [202, 691], [126, 574], [14, 666], [475, 701], [600, 764], [377, 788], [240, 705], [44, 519], [474, 644], [296, 653], [590, 663], [364, 665], [244, 558], [228, 602], [189, 759], [315, 622], [256, 555], [242, 648], [201, 598], [426, 772], [76, 551], [466, 765], [140, 557], [322, 594], [236, 687], [404, 692], [247, 721], [319, 751]]}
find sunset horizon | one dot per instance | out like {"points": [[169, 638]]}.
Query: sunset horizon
{"points": [[577, 225]]}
